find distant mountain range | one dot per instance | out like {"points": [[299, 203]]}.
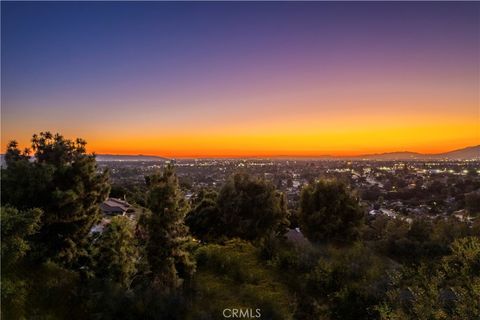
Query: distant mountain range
{"points": [[467, 153], [459, 154], [128, 157]]}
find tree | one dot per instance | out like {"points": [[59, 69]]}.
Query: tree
{"points": [[63, 181], [472, 202], [14, 154], [348, 282], [251, 208], [17, 227], [449, 289], [204, 219], [329, 212], [167, 234], [116, 253], [462, 273]]}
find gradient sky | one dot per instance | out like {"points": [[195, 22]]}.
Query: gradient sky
{"points": [[242, 79]]}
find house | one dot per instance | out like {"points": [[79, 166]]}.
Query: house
{"points": [[114, 206]]}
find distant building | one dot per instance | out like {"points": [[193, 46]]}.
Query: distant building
{"points": [[114, 206]]}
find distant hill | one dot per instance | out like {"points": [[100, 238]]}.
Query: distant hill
{"points": [[459, 154], [128, 157], [399, 155], [465, 153]]}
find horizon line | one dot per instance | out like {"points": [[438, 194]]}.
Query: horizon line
{"points": [[278, 155], [286, 155]]}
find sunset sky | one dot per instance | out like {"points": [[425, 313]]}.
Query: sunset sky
{"points": [[243, 79]]}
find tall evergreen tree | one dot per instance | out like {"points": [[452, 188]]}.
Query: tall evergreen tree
{"points": [[63, 181], [204, 218], [167, 234]]}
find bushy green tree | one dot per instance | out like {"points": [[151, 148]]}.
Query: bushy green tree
{"points": [[203, 220], [462, 275], [17, 227], [472, 202], [346, 283], [448, 289], [415, 294], [166, 232], [251, 208], [63, 181], [116, 253], [415, 241], [329, 212]]}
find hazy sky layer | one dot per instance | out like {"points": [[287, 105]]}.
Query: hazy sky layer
{"points": [[239, 79]]}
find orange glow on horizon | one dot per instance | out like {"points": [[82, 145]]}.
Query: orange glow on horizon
{"points": [[340, 144], [300, 137]]}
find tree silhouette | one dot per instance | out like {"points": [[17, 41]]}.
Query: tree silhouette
{"points": [[204, 219], [251, 208], [63, 181], [329, 212], [166, 231]]}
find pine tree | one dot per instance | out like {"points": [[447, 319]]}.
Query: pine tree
{"points": [[63, 181], [167, 234]]}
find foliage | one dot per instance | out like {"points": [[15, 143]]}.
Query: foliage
{"points": [[420, 240], [330, 213], [234, 276], [63, 182], [204, 219], [448, 290], [167, 234], [44, 291], [251, 208], [116, 253], [17, 227], [344, 283], [472, 202]]}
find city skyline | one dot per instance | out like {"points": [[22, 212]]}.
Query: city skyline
{"points": [[243, 79]]}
